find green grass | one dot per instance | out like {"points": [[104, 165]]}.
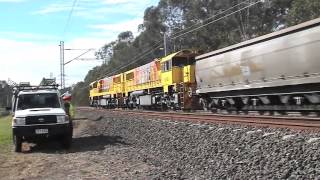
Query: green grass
{"points": [[5, 133]]}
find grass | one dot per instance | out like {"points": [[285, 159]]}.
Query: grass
{"points": [[5, 133]]}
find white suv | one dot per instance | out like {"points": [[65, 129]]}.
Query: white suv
{"points": [[38, 113]]}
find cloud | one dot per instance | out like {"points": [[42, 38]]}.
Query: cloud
{"points": [[76, 70], [118, 1], [12, 1], [103, 13], [28, 36], [24, 61], [57, 7], [30, 56], [28, 61], [97, 9], [114, 28]]}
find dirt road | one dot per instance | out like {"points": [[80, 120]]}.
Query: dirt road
{"points": [[91, 157], [110, 145]]}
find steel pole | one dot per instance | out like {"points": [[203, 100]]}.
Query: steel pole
{"points": [[62, 80], [165, 43]]}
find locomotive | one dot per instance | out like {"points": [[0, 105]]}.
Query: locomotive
{"points": [[277, 72]]}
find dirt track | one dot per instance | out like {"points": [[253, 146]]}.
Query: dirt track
{"points": [[91, 157]]}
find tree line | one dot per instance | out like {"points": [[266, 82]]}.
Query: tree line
{"points": [[194, 24], [5, 94]]}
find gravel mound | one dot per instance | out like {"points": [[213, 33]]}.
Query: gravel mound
{"points": [[183, 150]]}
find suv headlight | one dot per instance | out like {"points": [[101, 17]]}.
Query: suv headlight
{"points": [[62, 119], [19, 121]]}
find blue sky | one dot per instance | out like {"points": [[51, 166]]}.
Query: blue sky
{"points": [[30, 31]]}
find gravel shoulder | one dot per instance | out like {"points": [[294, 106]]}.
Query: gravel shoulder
{"points": [[109, 145], [92, 156]]}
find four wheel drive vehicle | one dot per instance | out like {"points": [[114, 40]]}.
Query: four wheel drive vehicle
{"points": [[38, 113]]}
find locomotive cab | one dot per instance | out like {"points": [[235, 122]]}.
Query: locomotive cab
{"points": [[93, 93], [178, 77], [177, 68]]}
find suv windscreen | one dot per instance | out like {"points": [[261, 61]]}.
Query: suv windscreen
{"points": [[43, 100]]}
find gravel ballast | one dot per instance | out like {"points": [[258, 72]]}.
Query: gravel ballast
{"points": [[185, 150]]}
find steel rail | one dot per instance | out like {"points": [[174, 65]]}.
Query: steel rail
{"points": [[300, 123]]}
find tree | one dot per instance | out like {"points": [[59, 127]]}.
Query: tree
{"points": [[5, 94], [303, 10], [80, 94], [217, 26], [126, 36]]}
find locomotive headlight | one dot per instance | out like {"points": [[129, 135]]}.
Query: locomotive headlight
{"points": [[19, 121], [62, 119]]}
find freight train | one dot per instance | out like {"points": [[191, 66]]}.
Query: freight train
{"points": [[277, 72]]}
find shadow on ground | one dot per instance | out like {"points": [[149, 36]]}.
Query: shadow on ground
{"points": [[80, 144]]}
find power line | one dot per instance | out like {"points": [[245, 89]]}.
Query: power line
{"points": [[68, 49], [215, 15], [194, 25], [89, 59], [203, 25], [143, 54], [78, 56], [195, 29], [207, 23], [69, 17], [192, 30]]}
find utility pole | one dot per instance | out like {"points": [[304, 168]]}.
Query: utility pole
{"points": [[7, 103], [62, 80], [63, 63], [165, 43]]}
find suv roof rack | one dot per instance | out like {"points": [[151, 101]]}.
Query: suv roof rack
{"points": [[46, 84]]}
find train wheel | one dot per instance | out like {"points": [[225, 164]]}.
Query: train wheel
{"points": [[305, 113], [271, 113]]}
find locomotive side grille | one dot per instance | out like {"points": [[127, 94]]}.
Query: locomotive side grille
{"points": [[48, 119]]}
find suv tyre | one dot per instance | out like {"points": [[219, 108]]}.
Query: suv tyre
{"points": [[66, 140], [17, 141]]}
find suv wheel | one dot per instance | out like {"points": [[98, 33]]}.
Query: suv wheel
{"points": [[17, 143], [66, 141]]}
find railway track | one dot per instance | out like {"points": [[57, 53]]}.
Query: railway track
{"points": [[297, 123]]}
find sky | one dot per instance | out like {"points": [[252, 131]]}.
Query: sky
{"points": [[30, 32]]}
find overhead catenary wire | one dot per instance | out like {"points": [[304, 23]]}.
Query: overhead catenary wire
{"points": [[78, 56], [222, 12], [132, 62], [143, 54], [215, 15], [69, 17], [89, 59], [192, 30], [252, 4], [211, 17], [213, 21]]}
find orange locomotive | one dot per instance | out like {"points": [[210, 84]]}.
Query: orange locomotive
{"points": [[164, 83]]}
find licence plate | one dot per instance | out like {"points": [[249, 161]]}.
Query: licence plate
{"points": [[42, 131]]}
